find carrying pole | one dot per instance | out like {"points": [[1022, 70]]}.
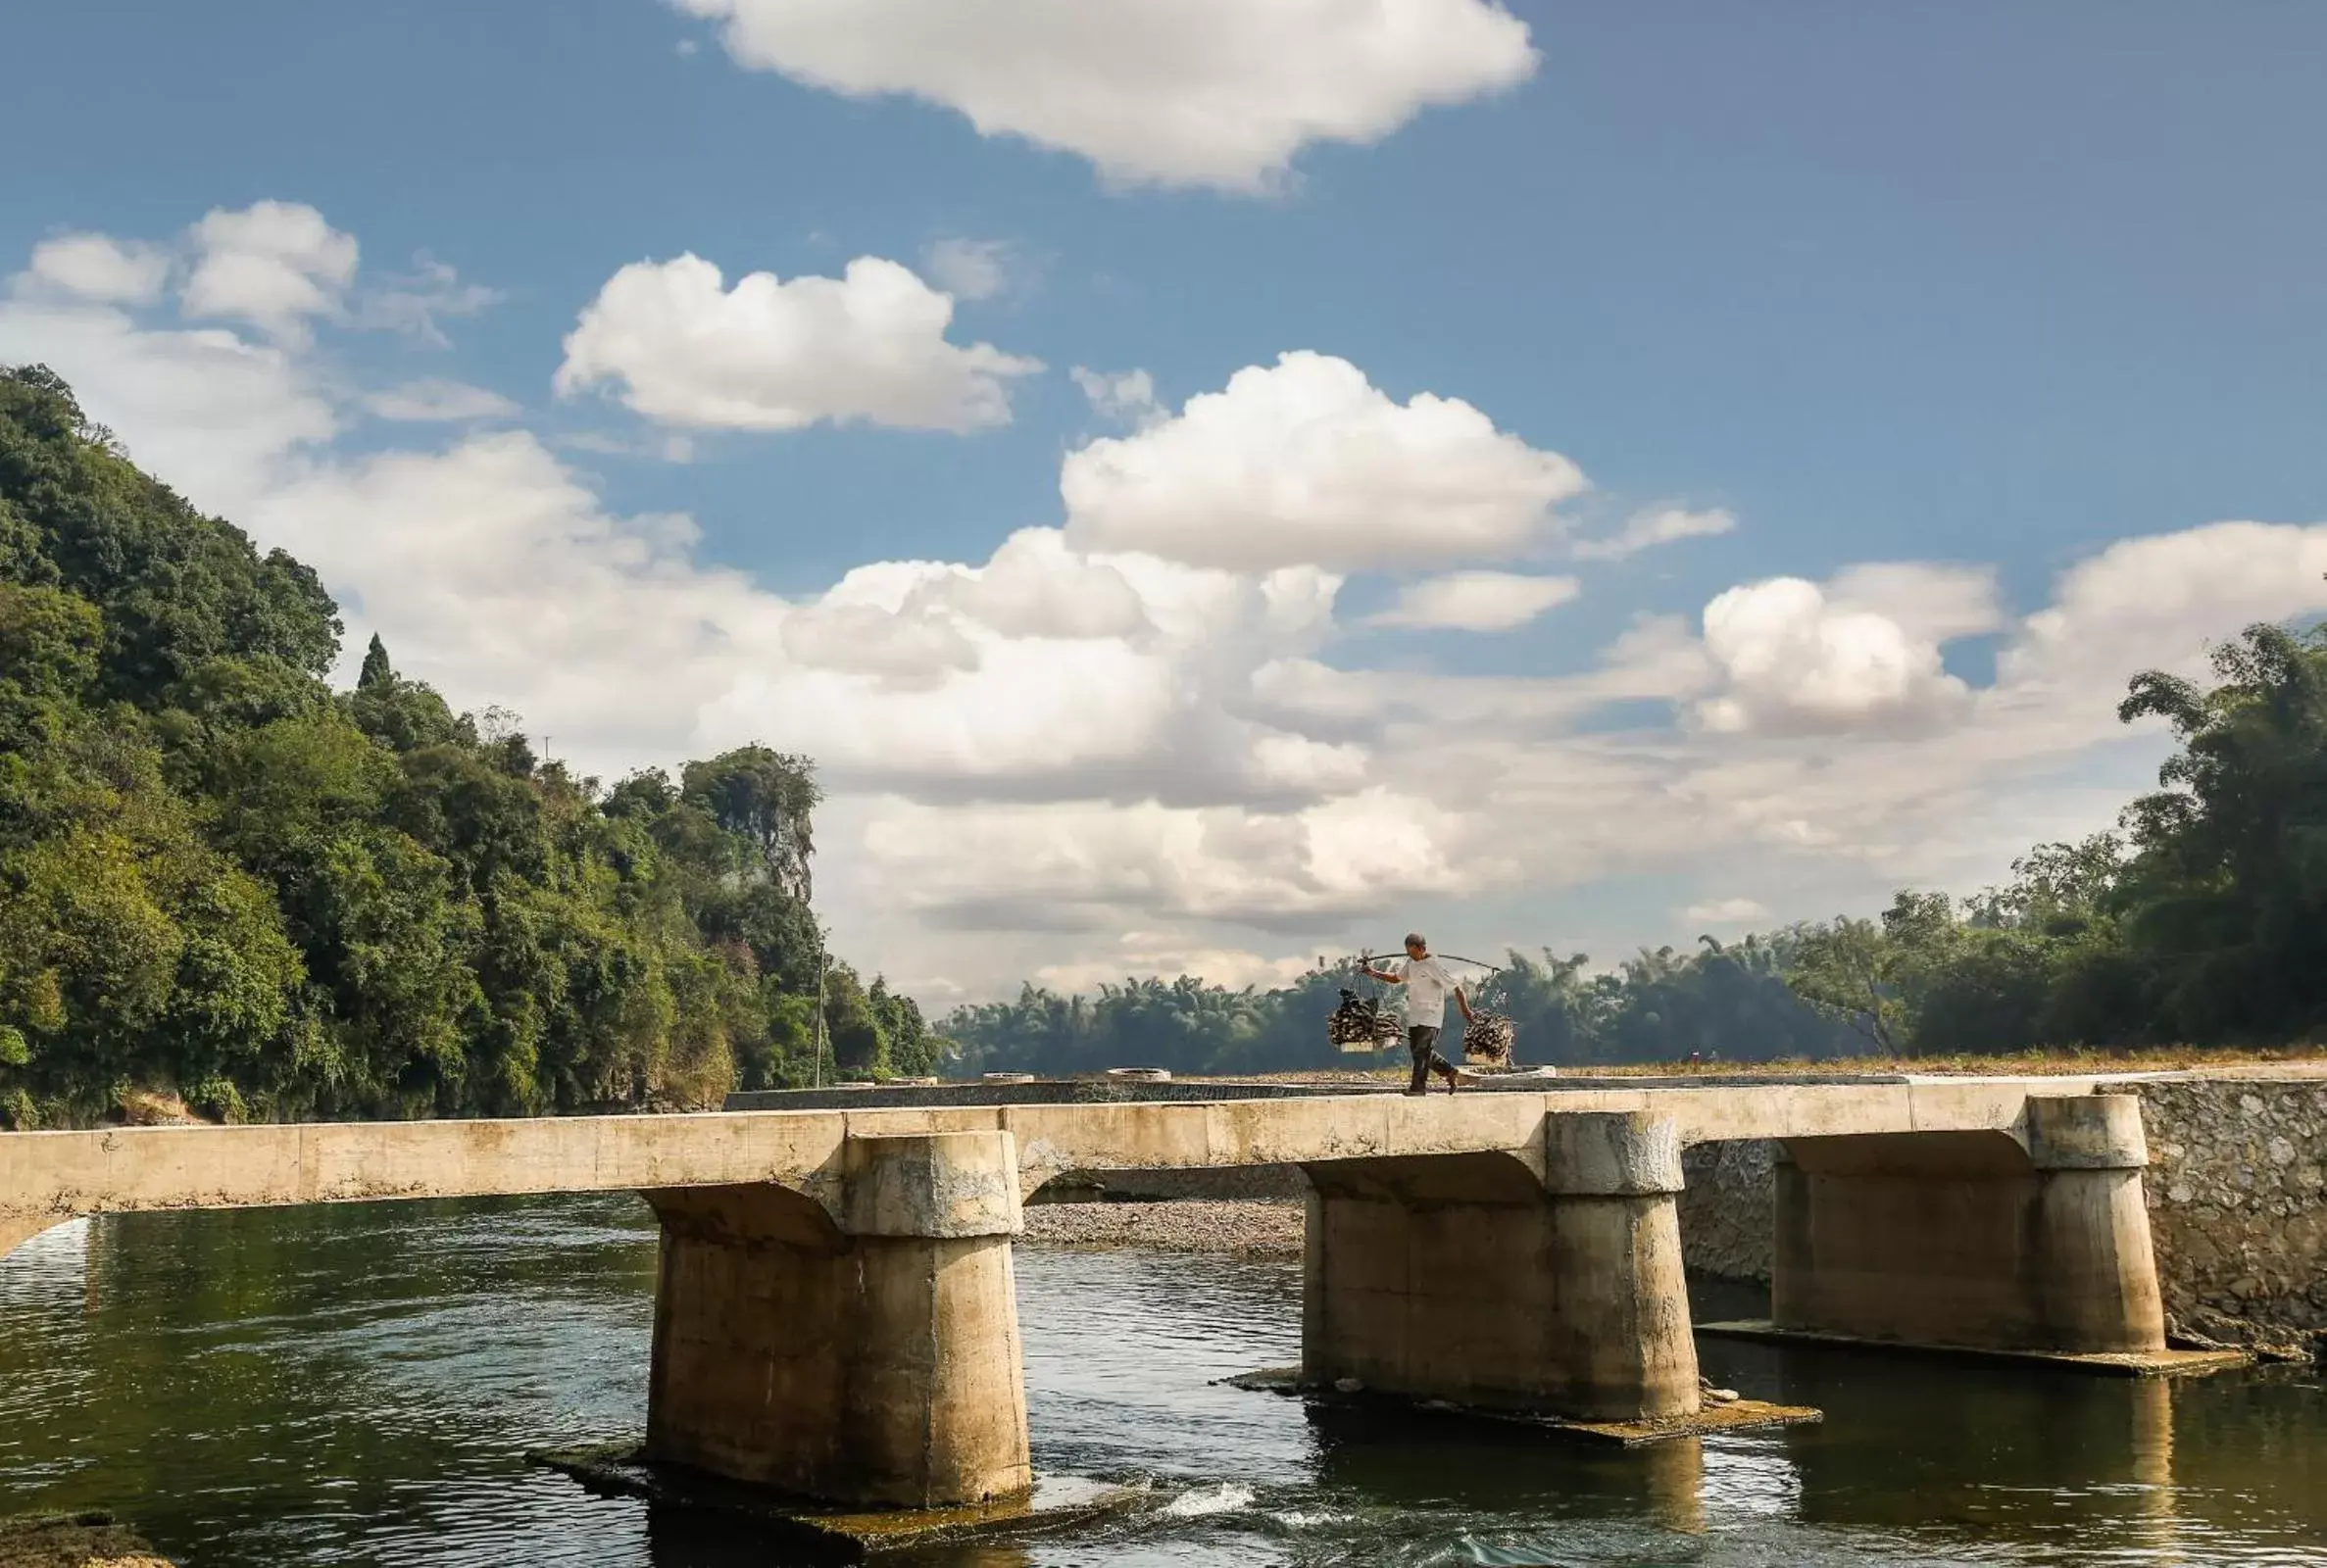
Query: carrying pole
{"points": [[1369, 958]]}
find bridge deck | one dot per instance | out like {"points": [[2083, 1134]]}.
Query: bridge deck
{"points": [[46, 1177]]}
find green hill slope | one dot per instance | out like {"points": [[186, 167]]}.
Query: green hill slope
{"points": [[220, 878]]}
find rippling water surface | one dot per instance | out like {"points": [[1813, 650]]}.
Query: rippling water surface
{"points": [[357, 1385]]}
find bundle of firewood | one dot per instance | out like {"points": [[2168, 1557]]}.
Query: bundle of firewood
{"points": [[1361, 1024], [1487, 1038]]}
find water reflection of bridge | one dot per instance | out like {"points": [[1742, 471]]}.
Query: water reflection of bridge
{"points": [[836, 1312]]}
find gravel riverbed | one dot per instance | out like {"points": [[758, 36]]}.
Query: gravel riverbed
{"points": [[1247, 1229]]}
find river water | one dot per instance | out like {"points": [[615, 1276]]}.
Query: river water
{"points": [[357, 1385]]}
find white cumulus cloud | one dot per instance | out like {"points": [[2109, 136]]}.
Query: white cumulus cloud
{"points": [[272, 264], [1168, 955], [1933, 601], [1476, 601], [1076, 863], [1035, 586], [97, 268], [1793, 660], [2162, 599], [1192, 92], [1662, 525], [909, 651], [1306, 461], [771, 355]]}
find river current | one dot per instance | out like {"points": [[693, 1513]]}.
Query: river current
{"points": [[358, 1385]]}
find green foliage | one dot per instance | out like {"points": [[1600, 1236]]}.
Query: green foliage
{"points": [[174, 587], [2206, 922], [762, 798], [219, 877], [376, 670], [2224, 903]]}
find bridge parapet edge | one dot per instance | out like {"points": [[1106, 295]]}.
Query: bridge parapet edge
{"points": [[49, 1177]]}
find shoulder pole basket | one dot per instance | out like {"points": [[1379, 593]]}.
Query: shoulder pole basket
{"points": [[1487, 1040]]}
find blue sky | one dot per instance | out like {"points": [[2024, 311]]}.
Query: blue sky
{"points": [[1987, 289]]}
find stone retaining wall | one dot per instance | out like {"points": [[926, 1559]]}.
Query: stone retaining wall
{"points": [[1728, 1211], [2237, 1190], [2238, 1202]]}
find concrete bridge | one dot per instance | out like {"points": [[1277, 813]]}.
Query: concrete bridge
{"points": [[836, 1312]]}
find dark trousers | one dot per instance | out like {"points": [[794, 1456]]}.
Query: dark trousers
{"points": [[1422, 1040]]}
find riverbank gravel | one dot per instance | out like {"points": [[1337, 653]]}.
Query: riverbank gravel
{"points": [[1244, 1229]]}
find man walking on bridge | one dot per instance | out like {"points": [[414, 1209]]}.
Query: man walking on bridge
{"points": [[1427, 987]]}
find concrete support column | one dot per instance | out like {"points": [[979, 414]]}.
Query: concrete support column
{"points": [[1976, 1240], [871, 1361], [1466, 1278]]}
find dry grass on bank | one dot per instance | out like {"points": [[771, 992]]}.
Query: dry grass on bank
{"points": [[2169, 1058], [2164, 1059]]}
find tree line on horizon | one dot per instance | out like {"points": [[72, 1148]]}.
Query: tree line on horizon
{"points": [[222, 879]]}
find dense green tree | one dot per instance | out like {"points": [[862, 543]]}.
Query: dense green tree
{"points": [[219, 876], [376, 670], [2224, 902]]}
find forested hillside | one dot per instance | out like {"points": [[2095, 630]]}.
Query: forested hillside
{"points": [[2202, 922], [220, 878]]}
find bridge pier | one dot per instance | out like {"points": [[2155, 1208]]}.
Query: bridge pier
{"points": [[1974, 1240], [1468, 1278], [870, 1358]]}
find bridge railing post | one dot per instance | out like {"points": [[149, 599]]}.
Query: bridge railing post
{"points": [[872, 1358]]}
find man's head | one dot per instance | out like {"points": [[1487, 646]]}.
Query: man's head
{"points": [[1416, 946]]}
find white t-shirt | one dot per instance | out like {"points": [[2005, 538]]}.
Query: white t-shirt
{"points": [[1427, 986]]}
